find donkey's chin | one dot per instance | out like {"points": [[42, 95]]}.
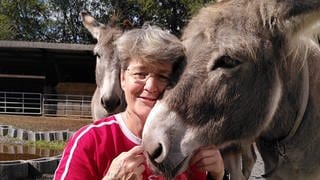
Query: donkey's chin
{"points": [[167, 168]]}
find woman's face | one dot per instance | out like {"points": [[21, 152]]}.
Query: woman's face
{"points": [[143, 84]]}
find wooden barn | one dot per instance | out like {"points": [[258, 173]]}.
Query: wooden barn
{"points": [[44, 69]]}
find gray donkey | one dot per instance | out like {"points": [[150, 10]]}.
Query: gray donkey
{"points": [[108, 97], [253, 75]]}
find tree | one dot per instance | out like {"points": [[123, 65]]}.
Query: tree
{"points": [[59, 21], [6, 28], [172, 14], [28, 19]]}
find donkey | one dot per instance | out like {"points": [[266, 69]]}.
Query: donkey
{"points": [[112, 101], [252, 76], [108, 97]]}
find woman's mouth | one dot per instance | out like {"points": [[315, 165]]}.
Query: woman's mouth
{"points": [[148, 100]]}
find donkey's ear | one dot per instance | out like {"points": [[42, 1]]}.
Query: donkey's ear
{"points": [[91, 24], [303, 17], [127, 25]]}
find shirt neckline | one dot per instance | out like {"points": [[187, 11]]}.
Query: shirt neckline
{"points": [[126, 131]]}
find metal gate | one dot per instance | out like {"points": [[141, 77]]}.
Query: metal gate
{"points": [[66, 105], [45, 104], [20, 103]]}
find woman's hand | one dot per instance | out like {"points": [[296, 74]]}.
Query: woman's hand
{"points": [[128, 165], [209, 159]]}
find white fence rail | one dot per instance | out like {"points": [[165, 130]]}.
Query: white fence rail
{"points": [[45, 104], [66, 105]]}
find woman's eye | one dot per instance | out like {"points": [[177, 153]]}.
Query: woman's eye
{"points": [[163, 78], [225, 62], [140, 75]]}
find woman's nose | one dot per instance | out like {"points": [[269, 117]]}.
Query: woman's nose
{"points": [[151, 84]]}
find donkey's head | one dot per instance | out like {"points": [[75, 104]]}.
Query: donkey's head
{"points": [[244, 56], [107, 67]]}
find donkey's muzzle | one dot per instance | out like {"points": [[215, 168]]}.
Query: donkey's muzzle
{"points": [[111, 104]]}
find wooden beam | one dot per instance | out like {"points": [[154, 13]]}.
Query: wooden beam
{"points": [[20, 76]]}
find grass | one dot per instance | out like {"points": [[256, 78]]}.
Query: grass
{"points": [[41, 123], [54, 145]]}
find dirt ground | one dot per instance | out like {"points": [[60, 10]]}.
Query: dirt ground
{"points": [[41, 123]]}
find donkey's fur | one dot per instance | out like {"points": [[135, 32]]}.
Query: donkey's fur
{"points": [[252, 75], [108, 97]]}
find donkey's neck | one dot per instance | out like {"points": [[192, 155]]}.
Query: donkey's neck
{"points": [[292, 107]]}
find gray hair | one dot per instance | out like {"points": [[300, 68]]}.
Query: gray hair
{"points": [[149, 44]]}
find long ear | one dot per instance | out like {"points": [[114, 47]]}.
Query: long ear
{"points": [[303, 17], [127, 25], [91, 24], [301, 26]]}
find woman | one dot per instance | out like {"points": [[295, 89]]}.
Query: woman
{"points": [[110, 148]]}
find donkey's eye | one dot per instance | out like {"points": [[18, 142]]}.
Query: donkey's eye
{"points": [[225, 62]]}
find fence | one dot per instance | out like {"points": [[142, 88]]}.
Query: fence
{"points": [[66, 105], [45, 104]]}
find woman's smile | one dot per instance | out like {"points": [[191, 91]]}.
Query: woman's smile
{"points": [[148, 100]]}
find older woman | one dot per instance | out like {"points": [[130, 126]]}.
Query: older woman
{"points": [[110, 148]]}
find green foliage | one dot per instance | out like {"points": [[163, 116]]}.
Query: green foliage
{"points": [[172, 15], [59, 21], [28, 18], [6, 28], [54, 145]]}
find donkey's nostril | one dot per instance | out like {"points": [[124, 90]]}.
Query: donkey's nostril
{"points": [[157, 153], [111, 104]]}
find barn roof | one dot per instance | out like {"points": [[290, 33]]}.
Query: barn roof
{"points": [[57, 62], [45, 45]]}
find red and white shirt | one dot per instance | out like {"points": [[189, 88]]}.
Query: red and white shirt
{"points": [[90, 151]]}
